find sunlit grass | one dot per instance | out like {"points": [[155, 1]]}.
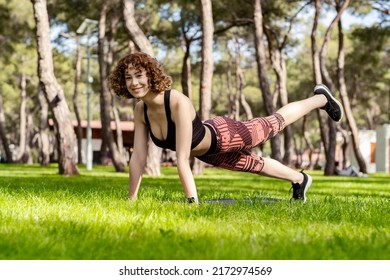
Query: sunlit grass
{"points": [[48, 216]]}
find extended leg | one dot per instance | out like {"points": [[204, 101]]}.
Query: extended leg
{"points": [[296, 110], [322, 98]]}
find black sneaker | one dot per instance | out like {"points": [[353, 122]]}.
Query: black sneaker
{"points": [[333, 107], [299, 190]]}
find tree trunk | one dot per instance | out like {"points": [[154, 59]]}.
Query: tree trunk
{"points": [[278, 64], [232, 104], [346, 141], [263, 73], [137, 36], [77, 77], [240, 84], [207, 69], [186, 70], [44, 149], [206, 76], [308, 143], [330, 166], [54, 93], [324, 130], [344, 98], [105, 97], [314, 50], [27, 157], [135, 32], [237, 107], [245, 105], [110, 59], [283, 95], [3, 134], [22, 118]]}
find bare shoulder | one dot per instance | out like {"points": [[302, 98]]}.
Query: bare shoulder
{"points": [[179, 100], [181, 106], [139, 111]]}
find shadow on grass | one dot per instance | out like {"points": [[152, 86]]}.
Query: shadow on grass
{"points": [[250, 200]]}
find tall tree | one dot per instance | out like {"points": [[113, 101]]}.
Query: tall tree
{"points": [[44, 142], [207, 68], [330, 166], [187, 26], [343, 92], [77, 78], [240, 84], [117, 15], [23, 119], [136, 34], [262, 70], [330, 149], [3, 134], [277, 43], [54, 94], [315, 53], [105, 97], [233, 105]]}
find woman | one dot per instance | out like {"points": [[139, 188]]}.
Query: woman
{"points": [[171, 119]]}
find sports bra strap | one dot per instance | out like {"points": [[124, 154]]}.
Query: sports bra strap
{"points": [[146, 115], [167, 96]]}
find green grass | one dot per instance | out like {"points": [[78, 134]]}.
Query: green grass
{"points": [[47, 216]]}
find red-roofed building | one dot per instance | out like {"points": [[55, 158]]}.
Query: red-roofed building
{"points": [[127, 128]]}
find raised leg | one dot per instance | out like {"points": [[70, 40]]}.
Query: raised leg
{"points": [[296, 110]]}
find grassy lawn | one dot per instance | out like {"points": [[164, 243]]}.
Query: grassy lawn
{"points": [[47, 216]]}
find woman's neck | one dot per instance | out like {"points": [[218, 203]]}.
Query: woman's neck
{"points": [[153, 100]]}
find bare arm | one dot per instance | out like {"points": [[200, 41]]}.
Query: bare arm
{"points": [[182, 110], [138, 158]]}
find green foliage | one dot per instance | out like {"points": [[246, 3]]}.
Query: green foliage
{"points": [[18, 55], [47, 216], [367, 67]]}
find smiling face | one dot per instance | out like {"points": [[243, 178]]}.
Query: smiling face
{"points": [[138, 74], [137, 81]]}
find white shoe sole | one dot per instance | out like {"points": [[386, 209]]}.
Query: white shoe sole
{"points": [[308, 184], [329, 95]]}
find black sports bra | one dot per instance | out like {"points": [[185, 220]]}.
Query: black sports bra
{"points": [[198, 130]]}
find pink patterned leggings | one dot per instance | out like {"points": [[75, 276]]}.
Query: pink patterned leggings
{"points": [[232, 141]]}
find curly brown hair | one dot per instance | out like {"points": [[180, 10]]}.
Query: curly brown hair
{"points": [[158, 80]]}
